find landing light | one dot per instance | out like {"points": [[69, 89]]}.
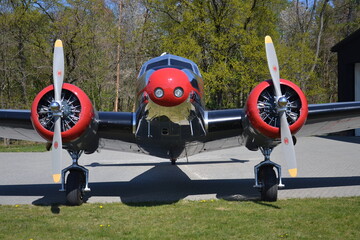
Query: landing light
{"points": [[159, 93], [178, 92]]}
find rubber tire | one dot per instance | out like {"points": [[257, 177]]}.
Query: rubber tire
{"points": [[75, 182], [268, 179]]}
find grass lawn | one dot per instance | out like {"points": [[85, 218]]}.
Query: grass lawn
{"points": [[333, 218], [22, 146]]}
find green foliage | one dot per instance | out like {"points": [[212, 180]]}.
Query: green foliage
{"points": [[225, 37], [87, 29], [22, 146], [25, 62]]}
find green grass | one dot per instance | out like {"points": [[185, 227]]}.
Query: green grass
{"points": [[334, 218], [22, 146]]}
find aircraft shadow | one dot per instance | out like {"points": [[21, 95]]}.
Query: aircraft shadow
{"points": [[320, 182], [164, 184], [168, 184], [349, 139], [97, 164]]}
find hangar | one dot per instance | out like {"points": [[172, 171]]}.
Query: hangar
{"points": [[348, 51]]}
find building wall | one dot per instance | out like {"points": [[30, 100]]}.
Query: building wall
{"points": [[346, 84], [348, 56], [357, 89], [348, 51]]}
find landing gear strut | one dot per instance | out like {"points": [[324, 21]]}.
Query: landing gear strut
{"points": [[265, 177], [77, 180]]}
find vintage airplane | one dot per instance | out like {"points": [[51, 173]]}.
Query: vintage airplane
{"points": [[171, 122]]}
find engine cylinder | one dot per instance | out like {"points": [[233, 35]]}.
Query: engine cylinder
{"points": [[262, 108], [77, 113]]}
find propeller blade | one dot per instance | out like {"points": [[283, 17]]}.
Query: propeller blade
{"points": [[57, 150], [273, 65], [288, 145], [58, 76], [58, 69], [285, 133]]}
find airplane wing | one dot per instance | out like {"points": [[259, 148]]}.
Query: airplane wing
{"points": [[322, 119], [331, 117], [16, 124], [220, 124]]}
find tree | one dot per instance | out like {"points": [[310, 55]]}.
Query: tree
{"points": [[309, 30], [23, 29], [87, 31], [225, 37]]}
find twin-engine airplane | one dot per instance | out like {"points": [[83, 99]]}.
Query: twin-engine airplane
{"points": [[171, 122]]}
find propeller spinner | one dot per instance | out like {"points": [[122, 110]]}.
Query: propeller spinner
{"points": [[286, 137]]}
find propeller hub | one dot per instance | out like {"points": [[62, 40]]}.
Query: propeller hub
{"points": [[282, 102], [55, 108]]}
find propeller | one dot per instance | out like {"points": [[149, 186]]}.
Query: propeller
{"points": [[286, 137], [58, 76]]}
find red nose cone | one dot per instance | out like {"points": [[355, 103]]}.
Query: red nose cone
{"points": [[168, 87]]}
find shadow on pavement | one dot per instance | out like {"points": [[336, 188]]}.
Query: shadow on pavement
{"points": [[164, 184], [349, 139], [97, 164]]}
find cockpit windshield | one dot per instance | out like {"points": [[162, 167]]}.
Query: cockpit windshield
{"points": [[157, 64], [167, 60]]}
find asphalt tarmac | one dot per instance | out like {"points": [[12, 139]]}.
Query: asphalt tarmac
{"points": [[327, 167]]}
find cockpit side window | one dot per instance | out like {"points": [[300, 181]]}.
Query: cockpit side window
{"points": [[197, 70], [142, 70], [148, 74], [192, 78]]}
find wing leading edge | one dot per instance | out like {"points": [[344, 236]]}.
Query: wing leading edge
{"points": [[16, 124], [224, 125], [331, 117], [322, 119]]}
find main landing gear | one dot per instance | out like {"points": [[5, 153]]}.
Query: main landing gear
{"points": [[77, 180], [266, 179]]}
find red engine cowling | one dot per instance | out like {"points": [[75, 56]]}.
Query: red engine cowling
{"points": [[78, 113], [262, 113]]}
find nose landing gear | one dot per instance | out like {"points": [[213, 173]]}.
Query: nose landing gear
{"points": [[265, 177], [76, 182], [75, 188]]}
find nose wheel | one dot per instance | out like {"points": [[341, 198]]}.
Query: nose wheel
{"points": [[75, 185], [268, 182], [76, 182], [266, 179]]}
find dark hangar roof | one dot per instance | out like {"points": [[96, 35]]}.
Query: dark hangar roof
{"points": [[355, 36]]}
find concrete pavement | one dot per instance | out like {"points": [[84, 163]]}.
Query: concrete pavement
{"points": [[328, 167]]}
